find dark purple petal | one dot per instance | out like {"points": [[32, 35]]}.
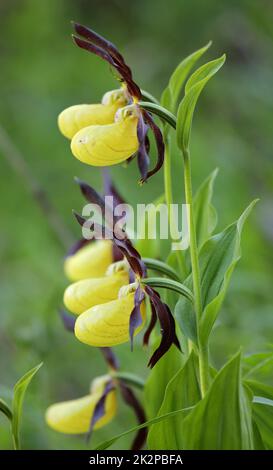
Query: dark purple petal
{"points": [[151, 325], [142, 155], [110, 358], [131, 400], [135, 317], [167, 325], [90, 194], [107, 51], [98, 230], [159, 143], [99, 410], [110, 189], [68, 320], [99, 40], [94, 49], [132, 256]]}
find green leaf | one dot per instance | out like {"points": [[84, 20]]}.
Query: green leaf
{"points": [[222, 420], [5, 409], [259, 366], [170, 284], [106, 444], [204, 213], [186, 320], [262, 407], [159, 378], [193, 88], [182, 392], [171, 93], [219, 257], [17, 404]]}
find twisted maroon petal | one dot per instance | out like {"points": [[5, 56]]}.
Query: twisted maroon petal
{"points": [[167, 325], [142, 155], [135, 317], [131, 400], [99, 410], [106, 50], [110, 358], [151, 326], [159, 143]]}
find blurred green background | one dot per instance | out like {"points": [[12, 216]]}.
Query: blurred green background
{"points": [[42, 72]]}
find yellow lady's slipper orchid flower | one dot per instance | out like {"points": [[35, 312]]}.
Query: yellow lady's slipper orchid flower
{"points": [[83, 295], [76, 117], [108, 324], [109, 144], [90, 261], [74, 416]]}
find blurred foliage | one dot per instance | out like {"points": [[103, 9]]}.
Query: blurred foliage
{"points": [[42, 73]]}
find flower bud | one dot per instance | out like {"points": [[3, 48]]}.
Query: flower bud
{"points": [[76, 117], [87, 293], [74, 416], [90, 261], [109, 144], [107, 325]]}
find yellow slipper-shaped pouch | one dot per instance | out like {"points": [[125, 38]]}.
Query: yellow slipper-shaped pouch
{"points": [[107, 325], [110, 144], [75, 118]]}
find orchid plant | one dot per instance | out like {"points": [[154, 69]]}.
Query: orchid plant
{"points": [[113, 296]]}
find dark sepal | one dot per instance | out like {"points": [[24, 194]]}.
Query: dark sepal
{"points": [[99, 40], [90, 194], [132, 256], [97, 229], [135, 317], [131, 400], [110, 358], [159, 144], [67, 319], [167, 325], [107, 51], [143, 158], [99, 410], [151, 326], [110, 189]]}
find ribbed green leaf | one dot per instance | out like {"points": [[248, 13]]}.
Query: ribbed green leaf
{"points": [[263, 410], [106, 444], [159, 378], [171, 93], [193, 88], [17, 404], [259, 366], [186, 320], [182, 392], [204, 213], [218, 258], [222, 420]]}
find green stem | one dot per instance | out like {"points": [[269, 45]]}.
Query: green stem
{"points": [[169, 201], [203, 350]]}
